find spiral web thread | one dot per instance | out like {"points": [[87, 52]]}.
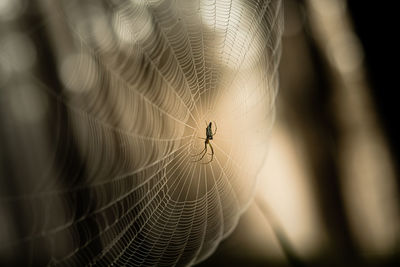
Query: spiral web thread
{"points": [[138, 80]]}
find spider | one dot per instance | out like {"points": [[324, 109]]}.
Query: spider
{"points": [[209, 136]]}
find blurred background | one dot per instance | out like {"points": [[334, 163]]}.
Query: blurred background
{"points": [[330, 186], [331, 179]]}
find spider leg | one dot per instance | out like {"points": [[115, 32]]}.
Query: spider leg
{"points": [[199, 153], [205, 152], [212, 154], [205, 148]]}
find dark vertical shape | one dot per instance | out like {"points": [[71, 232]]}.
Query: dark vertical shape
{"points": [[323, 141], [8, 177], [376, 26], [68, 163]]}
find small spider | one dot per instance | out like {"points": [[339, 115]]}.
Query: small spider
{"points": [[209, 136]]}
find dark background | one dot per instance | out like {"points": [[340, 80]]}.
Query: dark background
{"points": [[377, 27]]}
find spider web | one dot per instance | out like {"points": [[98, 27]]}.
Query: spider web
{"points": [[108, 176]]}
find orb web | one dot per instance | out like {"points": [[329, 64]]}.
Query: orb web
{"points": [[138, 83]]}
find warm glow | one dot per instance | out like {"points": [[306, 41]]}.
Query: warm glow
{"points": [[285, 186]]}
